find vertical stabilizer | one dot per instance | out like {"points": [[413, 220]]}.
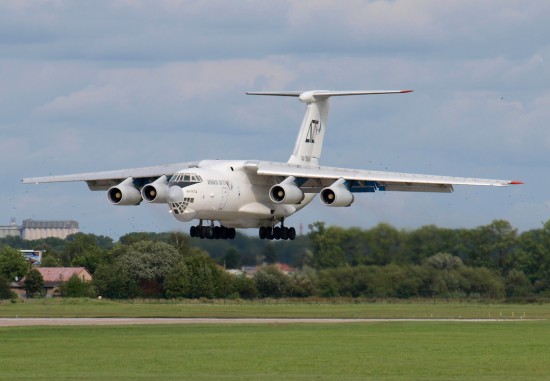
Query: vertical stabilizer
{"points": [[309, 143]]}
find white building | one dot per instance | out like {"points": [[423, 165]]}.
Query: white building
{"points": [[32, 229]]}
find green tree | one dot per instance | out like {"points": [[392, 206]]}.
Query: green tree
{"points": [[206, 279], [5, 292], [82, 250], [244, 286], [269, 253], [231, 259], [385, 245], [115, 282], [148, 263], [444, 261], [532, 257], [49, 260], [177, 282], [516, 284], [499, 240], [12, 263], [429, 240], [34, 284], [483, 282], [75, 287], [327, 248], [271, 283]]}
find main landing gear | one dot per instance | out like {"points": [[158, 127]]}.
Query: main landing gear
{"points": [[212, 232], [277, 232]]}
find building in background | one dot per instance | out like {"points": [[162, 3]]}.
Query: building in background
{"points": [[11, 230], [53, 277], [34, 229]]}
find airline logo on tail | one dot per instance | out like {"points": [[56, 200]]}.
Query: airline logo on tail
{"points": [[313, 131]]}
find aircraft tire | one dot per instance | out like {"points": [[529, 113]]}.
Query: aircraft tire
{"points": [[262, 232], [209, 232], [224, 232], [277, 233], [284, 233], [232, 233], [291, 233], [217, 232], [193, 231]]}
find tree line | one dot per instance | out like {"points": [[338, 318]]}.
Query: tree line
{"points": [[490, 261]]}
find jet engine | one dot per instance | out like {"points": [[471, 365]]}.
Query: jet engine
{"points": [[337, 194], [157, 191], [286, 192], [124, 193]]}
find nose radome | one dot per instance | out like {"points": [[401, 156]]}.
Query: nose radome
{"points": [[175, 194]]}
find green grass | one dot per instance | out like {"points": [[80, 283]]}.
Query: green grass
{"points": [[310, 308], [363, 351]]}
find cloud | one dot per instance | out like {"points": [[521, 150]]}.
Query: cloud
{"points": [[88, 86]]}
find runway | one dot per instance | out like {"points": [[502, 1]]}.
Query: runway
{"points": [[22, 322]]}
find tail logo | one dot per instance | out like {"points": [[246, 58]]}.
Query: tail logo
{"points": [[313, 131]]}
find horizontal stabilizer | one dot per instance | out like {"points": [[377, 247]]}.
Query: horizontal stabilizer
{"points": [[322, 94]]}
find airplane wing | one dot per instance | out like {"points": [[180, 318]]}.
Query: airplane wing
{"points": [[104, 180], [314, 179]]}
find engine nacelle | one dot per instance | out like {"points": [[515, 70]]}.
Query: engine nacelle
{"points": [[157, 191], [124, 193], [286, 192], [336, 195]]}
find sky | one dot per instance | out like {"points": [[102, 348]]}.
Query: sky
{"points": [[90, 86]]}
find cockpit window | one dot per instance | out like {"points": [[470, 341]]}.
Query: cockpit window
{"points": [[186, 178]]}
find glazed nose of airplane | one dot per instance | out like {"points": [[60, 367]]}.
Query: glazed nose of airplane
{"points": [[175, 194]]}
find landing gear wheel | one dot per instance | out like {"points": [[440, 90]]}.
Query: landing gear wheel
{"points": [[209, 232], [262, 232], [284, 233], [217, 232], [291, 234], [224, 232], [202, 231], [232, 233], [277, 233], [193, 231]]}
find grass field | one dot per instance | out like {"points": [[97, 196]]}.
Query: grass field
{"points": [[280, 309], [399, 350], [362, 351]]}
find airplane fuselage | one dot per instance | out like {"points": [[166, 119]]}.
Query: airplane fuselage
{"points": [[224, 191]]}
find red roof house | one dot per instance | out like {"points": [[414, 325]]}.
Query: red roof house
{"points": [[53, 278]]}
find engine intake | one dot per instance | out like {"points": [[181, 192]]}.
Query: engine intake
{"points": [[286, 192], [336, 195], [124, 193], [157, 191]]}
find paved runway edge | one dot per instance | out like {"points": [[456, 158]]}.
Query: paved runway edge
{"points": [[22, 322]]}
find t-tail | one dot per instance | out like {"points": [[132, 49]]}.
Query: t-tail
{"points": [[309, 142]]}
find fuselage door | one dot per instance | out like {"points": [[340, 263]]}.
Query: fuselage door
{"points": [[223, 199]]}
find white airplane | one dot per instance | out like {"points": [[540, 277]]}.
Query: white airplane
{"points": [[259, 194]]}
